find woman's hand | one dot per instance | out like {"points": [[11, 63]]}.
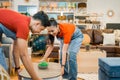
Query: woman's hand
{"points": [[60, 78], [42, 60], [40, 79], [62, 70]]}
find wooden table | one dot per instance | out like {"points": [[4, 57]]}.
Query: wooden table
{"points": [[51, 73], [88, 60]]}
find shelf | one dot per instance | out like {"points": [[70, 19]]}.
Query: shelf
{"points": [[87, 23], [5, 4], [84, 15], [66, 0], [57, 12], [88, 15], [83, 24], [4, 0]]}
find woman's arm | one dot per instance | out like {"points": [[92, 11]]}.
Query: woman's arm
{"points": [[64, 51], [50, 47], [48, 51]]}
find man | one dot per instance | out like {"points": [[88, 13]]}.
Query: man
{"points": [[16, 26]]}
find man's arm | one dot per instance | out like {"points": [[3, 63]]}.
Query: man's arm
{"points": [[16, 55], [22, 48]]}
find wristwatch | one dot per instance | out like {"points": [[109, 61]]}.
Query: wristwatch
{"points": [[17, 68]]}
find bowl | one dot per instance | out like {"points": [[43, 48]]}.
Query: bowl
{"points": [[43, 65]]}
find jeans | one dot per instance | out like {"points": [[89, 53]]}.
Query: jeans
{"points": [[70, 71], [10, 34], [3, 60], [7, 32]]}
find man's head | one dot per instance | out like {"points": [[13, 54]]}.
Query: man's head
{"points": [[38, 22]]}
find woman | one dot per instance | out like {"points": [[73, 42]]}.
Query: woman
{"points": [[70, 40]]}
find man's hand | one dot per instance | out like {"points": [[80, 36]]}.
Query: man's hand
{"points": [[17, 72]]}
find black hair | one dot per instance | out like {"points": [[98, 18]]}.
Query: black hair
{"points": [[51, 38], [53, 22], [43, 17]]}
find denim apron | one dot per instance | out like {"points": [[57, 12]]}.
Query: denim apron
{"points": [[70, 71]]}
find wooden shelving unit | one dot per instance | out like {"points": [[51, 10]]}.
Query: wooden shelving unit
{"points": [[5, 3], [57, 8], [51, 12]]}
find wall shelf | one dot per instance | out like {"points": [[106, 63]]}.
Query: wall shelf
{"points": [[51, 12], [66, 0], [84, 15]]}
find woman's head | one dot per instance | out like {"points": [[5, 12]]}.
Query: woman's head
{"points": [[39, 21], [53, 28]]}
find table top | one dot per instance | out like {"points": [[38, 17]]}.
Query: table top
{"points": [[52, 71]]}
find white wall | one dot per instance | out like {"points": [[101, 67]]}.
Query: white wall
{"points": [[102, 6]]}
